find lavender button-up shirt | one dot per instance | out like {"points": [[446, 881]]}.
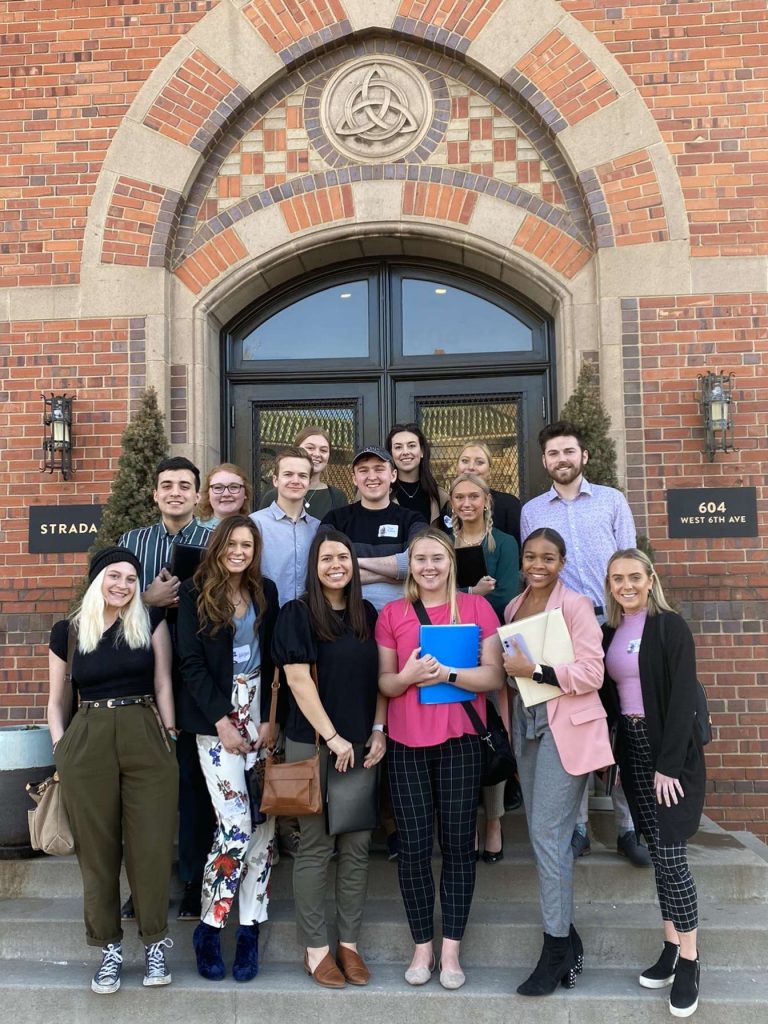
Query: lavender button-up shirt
{"points": [[597, 522]]}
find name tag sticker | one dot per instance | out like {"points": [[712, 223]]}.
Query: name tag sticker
{"points": [[389, 530], [633, 647], [240, 655]]}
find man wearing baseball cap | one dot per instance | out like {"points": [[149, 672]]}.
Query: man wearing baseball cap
{"points": [[379, 529]]}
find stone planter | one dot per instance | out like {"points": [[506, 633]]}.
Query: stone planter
{"points": [[25, 756]]}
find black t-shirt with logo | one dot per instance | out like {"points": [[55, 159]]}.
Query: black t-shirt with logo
{"points": [[376, 532]]}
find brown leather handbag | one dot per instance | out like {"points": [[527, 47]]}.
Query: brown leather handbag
{"points": [[290, 789]]}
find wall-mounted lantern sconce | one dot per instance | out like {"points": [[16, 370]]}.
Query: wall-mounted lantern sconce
{"points": [[715, 398], [57, 438]]}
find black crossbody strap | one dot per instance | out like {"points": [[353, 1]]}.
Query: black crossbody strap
{"points": [[421, 613], [474, 718]]}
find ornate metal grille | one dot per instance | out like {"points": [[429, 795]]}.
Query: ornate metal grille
{"points": [[494, 419], [276, 425]]}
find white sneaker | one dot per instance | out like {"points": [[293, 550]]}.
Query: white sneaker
{"points": [[107, 979], [156, 970]]}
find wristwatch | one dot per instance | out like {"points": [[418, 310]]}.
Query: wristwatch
{"points": [[537, 675], [378, 727], [453, 675]]}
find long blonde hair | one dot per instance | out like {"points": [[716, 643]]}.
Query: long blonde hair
{"points": [[458, 530], [88, 619], [657, 602], [411, 593]]}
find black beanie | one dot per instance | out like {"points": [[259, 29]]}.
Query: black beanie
{"points": [[110, 556]]}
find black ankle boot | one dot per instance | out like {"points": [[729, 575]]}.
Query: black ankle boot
{"points": [[557, 965], [684, 997], [662, 973], [578, 952]]}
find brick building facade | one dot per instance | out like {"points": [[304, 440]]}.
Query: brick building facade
{"points": [[167, 165]]}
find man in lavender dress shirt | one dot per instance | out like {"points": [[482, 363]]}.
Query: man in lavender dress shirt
{"points": [[594, 521]]}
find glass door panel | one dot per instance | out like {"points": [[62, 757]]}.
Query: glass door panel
{"points": [[265, 423], [505, 413]]}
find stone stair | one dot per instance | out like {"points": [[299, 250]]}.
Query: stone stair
{"points": [[45, 966]]}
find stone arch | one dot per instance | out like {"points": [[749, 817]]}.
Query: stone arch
{"points": [[583, 100]]}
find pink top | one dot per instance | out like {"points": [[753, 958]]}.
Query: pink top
{"points": [[622, 663], [408, 721]]}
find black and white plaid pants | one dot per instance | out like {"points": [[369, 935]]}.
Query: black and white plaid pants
{"points": [[674, 882]]}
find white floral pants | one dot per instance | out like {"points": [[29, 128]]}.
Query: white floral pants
{"points": [[241, 857]]}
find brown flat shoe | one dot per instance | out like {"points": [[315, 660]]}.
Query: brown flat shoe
{"points": [[326, 973], [352, 966]]}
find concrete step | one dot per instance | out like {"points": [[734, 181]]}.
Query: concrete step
{"points": [[732, 935], [724, 865], [49, 993]]}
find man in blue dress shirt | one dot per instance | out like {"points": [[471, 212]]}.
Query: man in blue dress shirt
{"points": [[594, 521]]}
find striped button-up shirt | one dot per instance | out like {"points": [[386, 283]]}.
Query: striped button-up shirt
{"points": [[152, 545], [594, 524], [286, 549]]}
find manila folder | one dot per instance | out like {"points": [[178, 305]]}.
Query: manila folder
{"points": [[548, 642]]}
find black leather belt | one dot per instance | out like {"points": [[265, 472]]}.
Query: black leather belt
{"points": [[118, 702]]}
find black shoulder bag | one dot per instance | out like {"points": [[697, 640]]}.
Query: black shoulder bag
{"points": [[499, 763], [703, 719]]}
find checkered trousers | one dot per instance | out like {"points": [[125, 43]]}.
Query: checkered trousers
{"points": [[424, 780], [674, 882]]}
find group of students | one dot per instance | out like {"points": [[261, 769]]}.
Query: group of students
{"points": [[336, 605]]}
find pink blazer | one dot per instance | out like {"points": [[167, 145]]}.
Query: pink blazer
{"points": [[578, 718]]}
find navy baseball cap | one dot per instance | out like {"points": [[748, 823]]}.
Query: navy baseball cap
{"points": [[376, 451]]}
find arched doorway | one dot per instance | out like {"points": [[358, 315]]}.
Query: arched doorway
{"points": [[366, 345]]}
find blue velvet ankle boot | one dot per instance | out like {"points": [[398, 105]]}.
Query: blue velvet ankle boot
{"points": [[246, 965], [207, 943]]}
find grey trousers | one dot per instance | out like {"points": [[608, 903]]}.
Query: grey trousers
{"points": [[551, 798], [310, 869]]}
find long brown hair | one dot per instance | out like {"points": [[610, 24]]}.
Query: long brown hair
{"points": [[204, 508], [325, 622], [214, 607]]}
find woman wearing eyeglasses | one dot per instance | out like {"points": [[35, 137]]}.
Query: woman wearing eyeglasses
{"points": [[226, 491]]}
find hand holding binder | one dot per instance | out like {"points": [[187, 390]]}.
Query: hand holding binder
{"points": [[546, 641]]}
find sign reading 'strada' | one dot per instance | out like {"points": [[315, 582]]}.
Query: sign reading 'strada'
{"points": [[61, 528], [712, 512]]}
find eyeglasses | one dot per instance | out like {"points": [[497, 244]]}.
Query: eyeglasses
{"points": [[232, 488]]}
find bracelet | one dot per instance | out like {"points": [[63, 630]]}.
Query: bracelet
{"points": [[469, 590], [331, 737], [378, 727]]}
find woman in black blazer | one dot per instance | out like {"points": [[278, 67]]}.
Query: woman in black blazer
{"points": [[650, 696], [226, 618]]}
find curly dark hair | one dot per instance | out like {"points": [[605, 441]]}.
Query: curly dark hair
{"points": [[214, 607]]}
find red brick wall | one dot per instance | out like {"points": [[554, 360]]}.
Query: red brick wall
{"points": [[700, 67], [90, 358], [68, 74]]}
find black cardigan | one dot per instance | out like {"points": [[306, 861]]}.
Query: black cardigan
{"points": [[668, 682], [205, 694]]}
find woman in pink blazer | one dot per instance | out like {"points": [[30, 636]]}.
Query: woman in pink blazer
{"points": [[557, 744]]}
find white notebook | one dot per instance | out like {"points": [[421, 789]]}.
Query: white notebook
{"points": [[546, 641]]}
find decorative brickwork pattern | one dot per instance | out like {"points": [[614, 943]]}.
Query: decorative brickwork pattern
{"points": [[211, 260], [565, 255], [293, 28], [179, 400], [69, 74], [482, 139], [131, 220], [719, 584], [566, 76], [321, 206], [94, 360], [700, 67], [449, 23], [196, 102], [438, 202], [633, 196]]}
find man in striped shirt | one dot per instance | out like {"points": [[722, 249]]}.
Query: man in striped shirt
{"points": [[177, 490]]}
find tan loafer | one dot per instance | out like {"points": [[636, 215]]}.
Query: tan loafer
{"points": [[326, 973], [352, 966]]}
